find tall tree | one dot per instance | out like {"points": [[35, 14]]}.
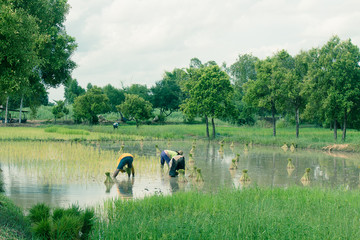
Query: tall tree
{"points": [[293, 86], [19, 37], [335, 75], [140, 90], [88, 106], [266, 92], [167, 94], [59, 110], [210, 94], [241, 72], [135, 108], [116, 96], [56, 47], [72, 90]]}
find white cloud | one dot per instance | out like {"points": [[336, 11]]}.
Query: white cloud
{"points": [[135, 41]]}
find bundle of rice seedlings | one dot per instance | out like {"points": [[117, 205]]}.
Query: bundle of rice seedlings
{"points": [[292, 147], [306, 177], [193, 172], [290, 165], [199, 177], [191, 159], [108, 178], [158, 151], [244, 177], [284, 147], [233, 164], [182, 177]]}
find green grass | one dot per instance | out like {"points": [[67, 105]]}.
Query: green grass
{"points": [[313, 138], [13, 224], [295, 213]]}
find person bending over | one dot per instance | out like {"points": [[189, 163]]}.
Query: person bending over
{"points": [[125, 159], [176, 163], [167, 155]]}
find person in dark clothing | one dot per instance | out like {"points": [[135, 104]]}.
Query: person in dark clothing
{"points": [[176, 163]]}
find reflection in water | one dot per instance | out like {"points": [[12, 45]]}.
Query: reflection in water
{"points": [[63, 173], [125, 187]]}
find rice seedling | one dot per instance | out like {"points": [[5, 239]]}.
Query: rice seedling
{"points": [[181, 175], [292, 147], [221, 149], [232, 144], [290, 165], [193, 172], [306, 177], [192, 150], [158, 151], [191, 158], [284, 147], [67, 162], [199, 177], [233, 164], [244, 177], [246, 147], [108, 178], [237, 157]]}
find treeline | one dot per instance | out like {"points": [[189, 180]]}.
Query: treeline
{"points": [[320, 86]]}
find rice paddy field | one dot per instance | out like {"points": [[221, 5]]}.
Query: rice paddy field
{"points": [[246, 184]]}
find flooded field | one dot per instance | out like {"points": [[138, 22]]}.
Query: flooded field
{"points": [[63, 173]]}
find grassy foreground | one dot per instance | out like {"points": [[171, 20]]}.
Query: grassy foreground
{"points": [[296, 213], [13, 224], [314, 138]]}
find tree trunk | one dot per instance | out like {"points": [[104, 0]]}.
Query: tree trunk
{"points": [[274, 120], [297, 121], [21, 105], [213, 127], [335, 129], [344, 126], [207, 126], [6, 109]]}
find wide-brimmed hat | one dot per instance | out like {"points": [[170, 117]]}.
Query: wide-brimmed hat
{"points": [[180, 152]]}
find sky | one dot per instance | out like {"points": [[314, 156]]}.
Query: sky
{"points": [[124, 42]]}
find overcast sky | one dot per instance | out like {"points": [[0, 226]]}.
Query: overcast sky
{"points": [[122, 42]]}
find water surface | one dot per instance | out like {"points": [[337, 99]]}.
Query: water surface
{"points": [[61, 174]]}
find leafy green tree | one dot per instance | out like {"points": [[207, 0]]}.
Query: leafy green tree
{"points": [[243, 69], [140, 90], [56, 47], [72, 90], [88, 106], [135, 108], [19, 37], [293, 86], [266, 92], [210, 92], [59, 110], [116, 96], [167, 94], [334, 74], [241, 72]]}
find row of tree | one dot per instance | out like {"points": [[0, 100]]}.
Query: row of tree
{"points": [[322, 85], [35, 50]]}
